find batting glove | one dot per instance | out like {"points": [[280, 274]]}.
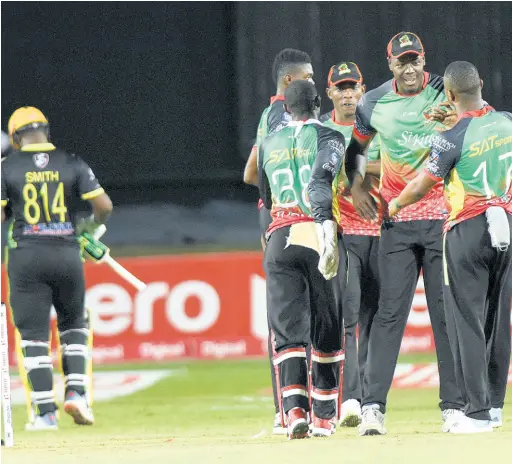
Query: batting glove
{"points": [[88, 225]]}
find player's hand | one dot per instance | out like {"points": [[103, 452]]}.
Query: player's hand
{"points": [[443, 113], [329, 261], [363, 202], [88, 225]]}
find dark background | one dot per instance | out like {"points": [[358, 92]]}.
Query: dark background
{"points": [[163, 99]]}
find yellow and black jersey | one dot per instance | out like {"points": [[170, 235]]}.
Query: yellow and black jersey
{"points": [[39, 183]]}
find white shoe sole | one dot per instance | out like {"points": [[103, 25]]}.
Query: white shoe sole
{"points": [[76, 412], [321, 432], [352, 419], [31, 428], [371, 429], [496, 424], [472, 431]]}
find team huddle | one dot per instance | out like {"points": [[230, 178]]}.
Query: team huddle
{"points": [[413, 176]]}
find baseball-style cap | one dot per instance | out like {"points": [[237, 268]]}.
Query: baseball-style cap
{"points": [[343, 72], [405, 42]]}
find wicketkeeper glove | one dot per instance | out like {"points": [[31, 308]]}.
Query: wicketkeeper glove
{"points": [[93, 249], [88, 225], [327, 233]]}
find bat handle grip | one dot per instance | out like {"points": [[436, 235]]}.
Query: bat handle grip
{"points": [[100, 231]]}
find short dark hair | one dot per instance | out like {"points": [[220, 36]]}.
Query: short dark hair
{"points": [[462, 78], [301, 97], [286, 60]]}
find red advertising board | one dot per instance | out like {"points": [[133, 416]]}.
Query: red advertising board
{"points": [[206, 306]]}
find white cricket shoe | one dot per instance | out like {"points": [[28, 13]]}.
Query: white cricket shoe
{"points": [[466, 425], [350, 413], [372, 422], [43, 423], [496, 417], [76, 406], [278, 429], [450, 416]]}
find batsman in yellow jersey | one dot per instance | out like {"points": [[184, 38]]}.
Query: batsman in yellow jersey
{"points": [[44, 264]]}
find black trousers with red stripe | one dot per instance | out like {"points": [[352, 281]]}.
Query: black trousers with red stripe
{"points": [[303, 307]]}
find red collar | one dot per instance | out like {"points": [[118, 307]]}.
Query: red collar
{"points": [[276, 98], [425, 82], [333, 119], [477, 113]]}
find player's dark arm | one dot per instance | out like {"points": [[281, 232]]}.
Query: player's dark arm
{"points": [[251, 168], [263, 183], [413, 192], [3, 214], [356, 158], [373, 168], [327, 165], [101, 208], [442, 159]]}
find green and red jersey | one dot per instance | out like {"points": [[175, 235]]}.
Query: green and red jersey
{"points": [[405, 138], [351, 222], [273, 118], [297, 168], [475, 160]]}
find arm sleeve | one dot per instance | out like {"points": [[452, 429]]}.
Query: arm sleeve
{"points": [[374, 149], [88, 185], [5, 197], [442, 159], [277, 120], [331, 151], [263, 183], [362, 127]]}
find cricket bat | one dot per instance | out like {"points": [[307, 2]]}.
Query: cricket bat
{"points": [[100, 253]]}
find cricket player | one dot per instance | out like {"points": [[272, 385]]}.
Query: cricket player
{"points": [[297, 166], [412, 241], [39, 182], [475, 160], [361, 237], [289, 65]]}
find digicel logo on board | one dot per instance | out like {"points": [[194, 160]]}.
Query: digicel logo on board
{"points": [[115, 311]]}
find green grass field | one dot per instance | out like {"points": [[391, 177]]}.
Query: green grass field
{"points": [[221, 412]]}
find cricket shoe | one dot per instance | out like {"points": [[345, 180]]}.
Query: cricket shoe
{"points": [[496, 417], [76, 406], [323, 427], [298, 426], [372, 421], [278, 429], [450, 416], [44, 422], [350, 413], [467, 425]]}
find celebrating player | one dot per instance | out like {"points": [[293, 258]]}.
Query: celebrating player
{"points": [[361, 238], [475, 160], [297, 166], [289, 65], [39, 183], [413, 240]]}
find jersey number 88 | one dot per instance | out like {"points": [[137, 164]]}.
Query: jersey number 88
{"points": [[283, 179]]}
